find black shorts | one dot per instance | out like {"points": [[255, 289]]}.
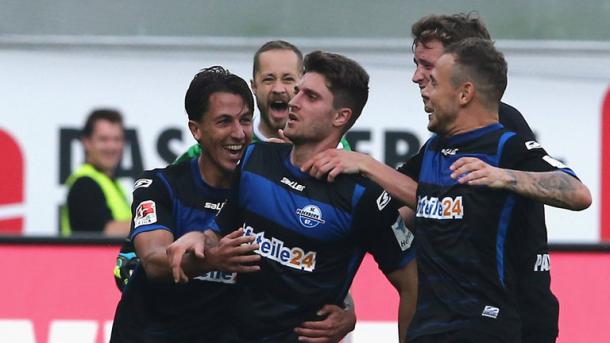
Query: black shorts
{"points": [[460, 336]]}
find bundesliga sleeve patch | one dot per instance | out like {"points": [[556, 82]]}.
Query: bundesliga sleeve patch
{"points": [[146, 213]]}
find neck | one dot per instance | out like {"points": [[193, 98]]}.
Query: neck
{"points": [[472, 120], [302, 152], [109, 173], [213, 175], [262, 131]]}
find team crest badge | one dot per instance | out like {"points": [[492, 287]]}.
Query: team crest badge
{"points": [[310, 216]]}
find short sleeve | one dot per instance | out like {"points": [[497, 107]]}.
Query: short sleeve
{"points": [[152, 204], [528, 155], [412, 166], [381, 230]]}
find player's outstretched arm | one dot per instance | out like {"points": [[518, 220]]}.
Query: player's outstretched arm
{"points": [[405, 282], [554, 188], [338, 322], [335, 161], [197, 252]]}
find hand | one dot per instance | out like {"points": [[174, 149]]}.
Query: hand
{"points": [[334, 162], [192, 242], [280, 139], [234, 253], [473, 171], [333, 328]]}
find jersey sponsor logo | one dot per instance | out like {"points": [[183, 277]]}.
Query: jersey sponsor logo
{"points": [[491, 312], [532, 145], [435, 208], [292, 184], [142, 183], [383, 200], [146, 213], [310, 216], [218, 276], [449, 152], [215, 206], [555, 163], [543, 263], [275, 250], [403, 235]]}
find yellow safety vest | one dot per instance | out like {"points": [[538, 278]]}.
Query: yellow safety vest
{"points": [[113, 192]]}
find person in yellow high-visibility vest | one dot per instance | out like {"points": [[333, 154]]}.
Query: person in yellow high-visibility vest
{"points": [[96, 202]]}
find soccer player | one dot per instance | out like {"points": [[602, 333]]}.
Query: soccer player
{"points": [[538, 306], [311, 234], [473, 177], [277, 66], [170, 202]]}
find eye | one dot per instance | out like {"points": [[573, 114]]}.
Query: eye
{"points": [[246, 120]]}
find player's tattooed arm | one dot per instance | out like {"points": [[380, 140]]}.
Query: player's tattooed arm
{"points": [[554, 188]]}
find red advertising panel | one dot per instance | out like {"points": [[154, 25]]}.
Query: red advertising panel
{"points": [[12, 187], [54, 293]]}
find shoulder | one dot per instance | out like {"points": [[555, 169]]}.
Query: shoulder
{"points": [[262, 150]]}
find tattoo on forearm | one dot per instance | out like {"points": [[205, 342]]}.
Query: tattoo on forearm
{"points": [[553, 188]]}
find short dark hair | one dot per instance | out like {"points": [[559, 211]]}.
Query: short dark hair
{"points": [[345, 78], [276, 45], [98, 114], [448, 28], [212, 80], [479, 61]]}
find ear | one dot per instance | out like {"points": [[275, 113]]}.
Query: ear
{"points": [[195, 131], [466, 93], [342, 117], [253, 85], [86, 142]]}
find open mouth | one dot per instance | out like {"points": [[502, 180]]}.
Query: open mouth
{"points": [[234, 148], [279, 105]]}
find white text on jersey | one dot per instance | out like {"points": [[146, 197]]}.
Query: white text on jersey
{"points": [[274, 249], [433, 208], [543, 263], [292, 184]]}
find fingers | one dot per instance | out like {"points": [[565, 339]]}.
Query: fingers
{"points": [[329, 309], [174, 255], [283, 137]]}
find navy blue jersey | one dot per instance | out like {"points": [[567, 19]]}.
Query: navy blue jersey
{"points": [[468, 266], [312, 235], [175, 199]]}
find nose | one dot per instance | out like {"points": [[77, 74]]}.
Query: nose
{"points": [[294, 102], [238, 131], [278, 87], [418, 76]]}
